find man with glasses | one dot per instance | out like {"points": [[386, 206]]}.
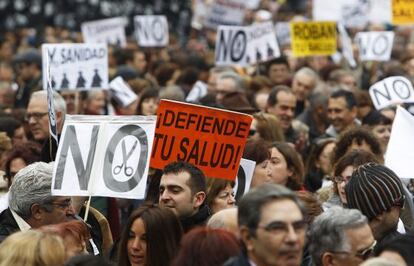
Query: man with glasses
{"points": [[272, 227], [340, 237], [31, 204]]}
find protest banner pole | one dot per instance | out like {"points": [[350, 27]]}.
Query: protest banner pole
{"points": [[88, 205]]}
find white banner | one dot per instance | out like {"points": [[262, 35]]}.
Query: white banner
{"points": [[225, 12], [400, 150], [262, 43], [104, 156], [375, 45], [109, 31], [244, 178], [121, 91], [76, 65], [151, 31], [390, 91]]}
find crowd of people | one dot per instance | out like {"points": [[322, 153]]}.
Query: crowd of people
{"points": [[320, 193]]}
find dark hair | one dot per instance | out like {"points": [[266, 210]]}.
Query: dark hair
{"points": [[197, 180], [376, 118], [250, 205], [277, 61], [256, 150], [204, 246], [347, 95], [88, 260], [163, 234], [401, 244], [9, 125], [294, 163], [352, 158], [272, 100], [29, 152], [214, 186], [358, 134], [146, 94]]}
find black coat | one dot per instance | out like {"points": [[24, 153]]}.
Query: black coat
{"points": [[8, 224], [240, 260]]}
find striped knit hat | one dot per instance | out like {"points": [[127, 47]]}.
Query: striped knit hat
{"points": [[373, 189]]}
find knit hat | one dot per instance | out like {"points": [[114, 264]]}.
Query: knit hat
{"points": [[373, 189]]}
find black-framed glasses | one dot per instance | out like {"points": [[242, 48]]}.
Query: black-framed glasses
{"points": [[34, 115], [363, 254], [282, 227]]}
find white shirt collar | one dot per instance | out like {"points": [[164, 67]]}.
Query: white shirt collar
{"points": [[23, 225]]}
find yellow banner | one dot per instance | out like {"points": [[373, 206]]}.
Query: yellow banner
{"points": [[313, 38], [402, 12]]}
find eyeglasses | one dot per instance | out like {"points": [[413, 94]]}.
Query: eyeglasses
{"points": [[282, 227], [362, 254], [35, 115], [340, 179], [62, 205]]}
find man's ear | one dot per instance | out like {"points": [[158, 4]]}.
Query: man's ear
{"points": [[246, 237], [36, 211], [199, 198], [328, 259]]}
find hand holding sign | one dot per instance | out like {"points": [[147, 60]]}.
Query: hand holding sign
{"points": [[392, 90]]}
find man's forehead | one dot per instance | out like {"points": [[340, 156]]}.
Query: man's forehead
{"points": [[340, 101], [175, 179], [38, 102], [281, 210]]}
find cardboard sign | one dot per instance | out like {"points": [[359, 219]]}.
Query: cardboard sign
{"points": [[225, 12], [400, 150], [211, 139], [346, 45], [402, 12], [390, 91], [244, 178], [76, 66], [151, 31], [262, 43], [121, 92], [313, 38], [353, 13], [104, 156], [109, 31], [375, 45], [231, 45]]}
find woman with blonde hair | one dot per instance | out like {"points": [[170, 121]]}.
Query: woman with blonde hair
{"points": [[32, 248], [267, 127]]}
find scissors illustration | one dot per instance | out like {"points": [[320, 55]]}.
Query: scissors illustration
{"points": [[128, 171]]}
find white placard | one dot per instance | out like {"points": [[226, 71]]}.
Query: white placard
{"points": [[122, 93], [109, 31], [225, 12], [346, 43], [353, 13], [390, 91], [400, 149], [244, 178], [262, 44], [375, 45], [76, 65], [231, 45], [51, 105], [104, 156], [151, 31], [198, 91], [282, 30]]}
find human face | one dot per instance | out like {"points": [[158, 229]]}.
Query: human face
{"points": [[339, 115], [225, 199], [149, 106], [19, 135], [262, 174], [302, 86], [176, 194], [96, 103], [37, 117], [382, 133], [62, 211], [284, 109], [280, 169], [323, 162], [360, 240], [349, 81], [261, 100], [278, 73], [140, 62], [137, 243], [345, 176], [72, 101], [224, 86], [15, 166], [280, 235]]}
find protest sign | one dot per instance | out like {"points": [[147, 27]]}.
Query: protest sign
{"points": [[390, 91], [198, 91], [210, 138], [402, 12], [244, 178], [109, 31], [346, 45], [76, 65], [400, 150], [151, 31], [104, 156], [51, 105], [262, 43], [225, 12], [375, 45], [231, 45], [353, 13], [282, 30], [121, 91], [313, 38]]}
